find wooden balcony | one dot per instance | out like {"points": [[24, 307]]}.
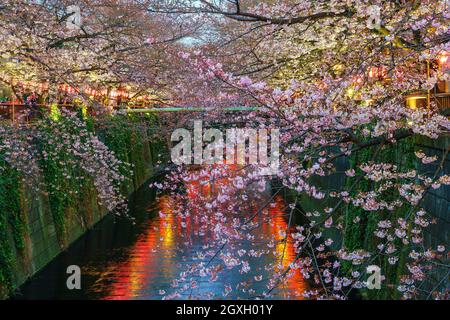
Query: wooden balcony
{"points": [[420, 101]]}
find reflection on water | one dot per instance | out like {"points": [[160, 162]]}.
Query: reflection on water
{"points": [[124, 261]]}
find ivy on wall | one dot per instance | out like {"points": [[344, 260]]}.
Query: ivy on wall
{"points": [[124, 136], [65, 178], [121, 135], [11, 219], [360, 224]]}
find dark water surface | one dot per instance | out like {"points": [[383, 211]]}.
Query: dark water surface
{"points": [[122, 260]]}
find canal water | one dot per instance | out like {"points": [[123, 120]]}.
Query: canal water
{"points": [[120, 259]]}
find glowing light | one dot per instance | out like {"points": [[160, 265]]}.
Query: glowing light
{"points": [[350, 92], [55, 115], [411, 102], [357, 80], [377, 72], [443, 59]]}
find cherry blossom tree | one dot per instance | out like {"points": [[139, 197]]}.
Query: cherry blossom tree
{"points": [[118, 44], [332, 76], [336, 86]]}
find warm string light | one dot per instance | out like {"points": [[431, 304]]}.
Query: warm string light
{"points": [[44, 86], [374, 72], [377, 72], [443, 58]]}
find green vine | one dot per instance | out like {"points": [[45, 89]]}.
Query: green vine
{"points": [[124, 136], [65, 182], [361, 235], [10, 219]]}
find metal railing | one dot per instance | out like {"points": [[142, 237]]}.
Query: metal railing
{"points": [[187, 109]]}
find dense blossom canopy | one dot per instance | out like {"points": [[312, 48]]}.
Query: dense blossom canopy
{"points": [[330, 75]]}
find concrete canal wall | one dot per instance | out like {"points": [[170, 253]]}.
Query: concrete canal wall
{"points": [[360, 236], [437, 201], [41, 240]]}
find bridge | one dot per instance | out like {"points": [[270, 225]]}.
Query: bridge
{"points": [[14, 111]]}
